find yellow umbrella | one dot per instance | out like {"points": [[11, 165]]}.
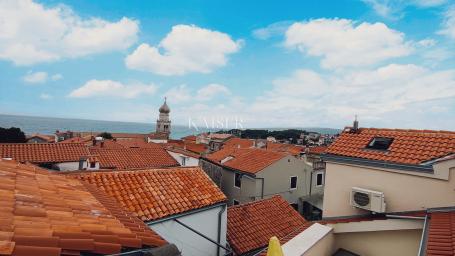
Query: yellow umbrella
{"points": [[274, 248]]}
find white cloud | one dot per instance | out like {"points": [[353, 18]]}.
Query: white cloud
{"points": [[428, 42], [343, 43], [393, 9], [32, 33], [184, 50], [308, 97], [448, 26], [212, 90], [273, 29], [35, 77], [178, 94], [40, 77], [56, 77], [109, 88], [45, 96], [183, 93]]}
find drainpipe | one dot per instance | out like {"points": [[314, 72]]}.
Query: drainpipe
{"points": [[220, 216], [262, 186], [391, 216]]}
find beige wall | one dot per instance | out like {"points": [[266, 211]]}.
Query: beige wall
{"points": [[403, 191], [323, 247], [277, 179], [380, 243]]}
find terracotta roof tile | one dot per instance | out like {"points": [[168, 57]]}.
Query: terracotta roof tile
{"points": [[157, 193], [239, 143], [317, 150], [281, 147], [44, 152], [128, 158], [45, 213], [441, 234], [408, 146], [251, 225], [251, 160]]}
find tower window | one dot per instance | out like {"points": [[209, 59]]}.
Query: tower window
{"points": [[380, 143]]}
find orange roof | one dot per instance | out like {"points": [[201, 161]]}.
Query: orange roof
{"points": [[408, 146], [77, 140], [43, 213], [136, 143], [190, 138], [154, 194], [44, 152], [281, 147], [239, 143], [187, 145], [251, 160], [250, 225], [111, 144], [45, 137], [183, 152], [441, 234], [128, 158]]}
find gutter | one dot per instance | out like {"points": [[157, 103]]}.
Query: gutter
{"points": [[220, 216], [423, 240], [175, 216], [376, 163]]}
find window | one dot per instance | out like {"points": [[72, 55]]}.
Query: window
{"points": [[235, 202], [380, 143], [294, 182], [237, 180], [319, 179], [92, 164]]}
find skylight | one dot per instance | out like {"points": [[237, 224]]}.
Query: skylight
{"points": [[380, 143]]}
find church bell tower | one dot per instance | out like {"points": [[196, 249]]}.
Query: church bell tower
{"points": [[163, 124]]}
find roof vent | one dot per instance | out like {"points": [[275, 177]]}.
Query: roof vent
{"points": [[380, 143]]}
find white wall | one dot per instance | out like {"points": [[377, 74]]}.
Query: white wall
{"points": [[190, 161], [68, 166], [190, 243]]}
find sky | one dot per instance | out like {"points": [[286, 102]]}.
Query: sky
{"points": [[232, 64]]}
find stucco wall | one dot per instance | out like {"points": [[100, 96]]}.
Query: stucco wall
{"points": [[277, 179], [190, 161], [403, 192], [323, 247], [68, 166], [380, 243], [190, 243]]}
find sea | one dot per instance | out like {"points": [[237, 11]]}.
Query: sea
{"points": [[48, 125]]}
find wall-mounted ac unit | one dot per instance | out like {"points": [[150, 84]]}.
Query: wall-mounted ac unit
{"points": [[368, 199]]}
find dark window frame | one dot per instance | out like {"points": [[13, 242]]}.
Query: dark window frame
{"points": [[380, 143], [321, 183], [237, 180], [290, 182], [235, 202]]}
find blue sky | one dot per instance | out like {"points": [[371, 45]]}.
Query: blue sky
{"points": [[257, 63]]}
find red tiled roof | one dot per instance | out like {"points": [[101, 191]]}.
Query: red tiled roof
{"points": [[441, 234], [136, 143], [77, 140], [281, 147], [220, 136], [45, 137], [44, 152], [250, 225], [190, 138], [408, 146], [251, 160], [154, 194], [110, 144], [183, 152], [187, 145], [43, 213], [129, 158], [239, 143]]}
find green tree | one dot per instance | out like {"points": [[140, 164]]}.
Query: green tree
{"points": [[12, 135], [106, 135]]}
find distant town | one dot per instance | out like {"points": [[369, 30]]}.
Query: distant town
{"points": [[233, 192]]}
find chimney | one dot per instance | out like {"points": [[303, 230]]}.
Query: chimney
{"points": [[102, 144], [355, 126], [93, 141]]}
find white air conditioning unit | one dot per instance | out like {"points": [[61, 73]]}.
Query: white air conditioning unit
{"points": [[368, 199]]}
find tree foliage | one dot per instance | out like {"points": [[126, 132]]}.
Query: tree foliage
{"points": [[105, 135], [12, 135]]}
